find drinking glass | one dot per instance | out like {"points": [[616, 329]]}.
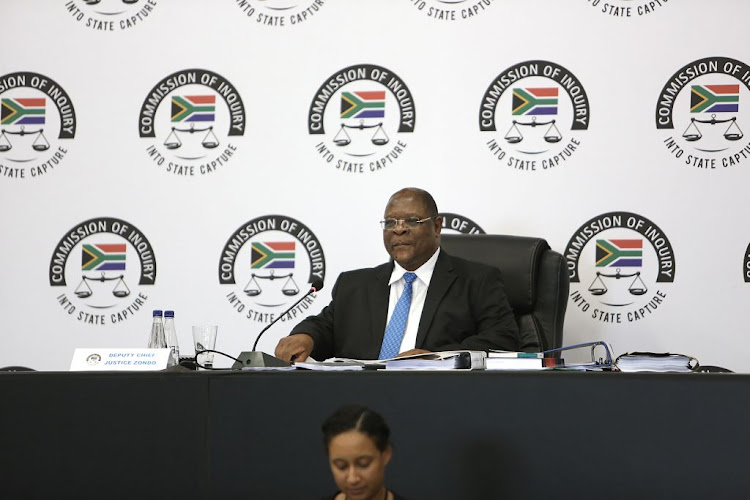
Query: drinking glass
{"points": [[204, 337]]}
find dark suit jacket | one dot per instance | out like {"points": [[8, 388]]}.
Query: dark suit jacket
{"points": [[465, 308]]}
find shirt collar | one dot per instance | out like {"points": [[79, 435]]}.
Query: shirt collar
{"points": [[423, 272]]}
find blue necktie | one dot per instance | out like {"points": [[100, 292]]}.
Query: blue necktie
{"points": [[394, 332]]}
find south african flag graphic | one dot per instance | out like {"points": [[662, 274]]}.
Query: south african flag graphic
{"points": [[715, 98], [272, 255], [103, 257], [535, 101], [23, 111], [193, 108], [619, 253], [363, 104]]}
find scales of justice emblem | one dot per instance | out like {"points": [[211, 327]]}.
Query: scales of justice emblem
{"points": [[96, 2], [618, 253], [529, 108], [271, 261], [192, 114], [361, 122], [16, 115], [362, 110], [103, 267], [718, 101]]}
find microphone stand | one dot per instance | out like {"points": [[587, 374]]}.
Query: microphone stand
{"points": [[259, 359]]}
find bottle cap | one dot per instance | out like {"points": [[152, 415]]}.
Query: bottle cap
{"points": [[169, 314], [157, 312]]}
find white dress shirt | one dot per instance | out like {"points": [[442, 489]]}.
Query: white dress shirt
{"points": [[419, 293]]}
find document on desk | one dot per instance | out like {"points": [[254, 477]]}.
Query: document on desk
{"points": [[267, 368], [443, 360], [513, 360], [339, 364], [656, 362]]}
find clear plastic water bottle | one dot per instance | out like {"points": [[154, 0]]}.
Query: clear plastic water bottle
{"points": [[171, 336], [157, 340]]}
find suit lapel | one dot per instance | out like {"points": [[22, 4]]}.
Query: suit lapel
{"points": [[441, 280]]}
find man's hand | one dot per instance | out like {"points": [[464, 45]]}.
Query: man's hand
{"points": [[412, 352], [295, 347]]}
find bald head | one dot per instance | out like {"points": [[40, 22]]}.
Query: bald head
{"points": [[412, 246], [420, 194]]}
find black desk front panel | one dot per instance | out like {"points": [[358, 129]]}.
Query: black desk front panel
{"points": [[456, 435]]}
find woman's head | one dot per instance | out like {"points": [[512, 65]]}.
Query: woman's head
{"points": [[358, 447]]}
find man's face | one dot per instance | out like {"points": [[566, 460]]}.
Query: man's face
{"points": [[411, 247]]}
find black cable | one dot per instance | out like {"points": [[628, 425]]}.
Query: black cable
{"points": [[217, 352]]}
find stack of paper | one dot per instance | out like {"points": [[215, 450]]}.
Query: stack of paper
{"points": [[334, 364], [655, 362], [511, 360], [444, 360]]}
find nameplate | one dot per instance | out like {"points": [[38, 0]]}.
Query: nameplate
{"points": [[100, 360]]}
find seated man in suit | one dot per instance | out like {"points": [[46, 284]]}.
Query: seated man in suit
{"points": [[423, 300]]}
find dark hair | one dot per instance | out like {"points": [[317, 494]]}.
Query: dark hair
{"points": [[359, 418]]}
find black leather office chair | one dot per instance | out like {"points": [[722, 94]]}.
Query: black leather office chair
{"points": [[536, 281]]}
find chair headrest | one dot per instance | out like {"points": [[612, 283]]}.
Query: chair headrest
{"points": [[517, 257]]}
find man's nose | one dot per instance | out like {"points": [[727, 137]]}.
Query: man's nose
{"points": [[400, 226]]}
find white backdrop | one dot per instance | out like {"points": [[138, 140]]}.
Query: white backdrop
{"points": [[257, 85]]}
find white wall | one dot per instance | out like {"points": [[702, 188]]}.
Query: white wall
{"points": [[621, 162]]}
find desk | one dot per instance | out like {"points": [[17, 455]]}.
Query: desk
{"points": [[457, 435]]}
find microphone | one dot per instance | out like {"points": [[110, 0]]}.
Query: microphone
{"points": [[258, 359]]}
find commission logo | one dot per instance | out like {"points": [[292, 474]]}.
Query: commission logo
{"points": [[280, 12], [189, 120], [451, 10], [267, 264], [702, 110], [620, 265], [110, 15], [102, 269], [37, 118], [534, 114], [365, 128], [627, 8], [456, 223], [93, 359]]}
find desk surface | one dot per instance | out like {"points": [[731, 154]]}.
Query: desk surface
{"points": [[456, 435]]}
